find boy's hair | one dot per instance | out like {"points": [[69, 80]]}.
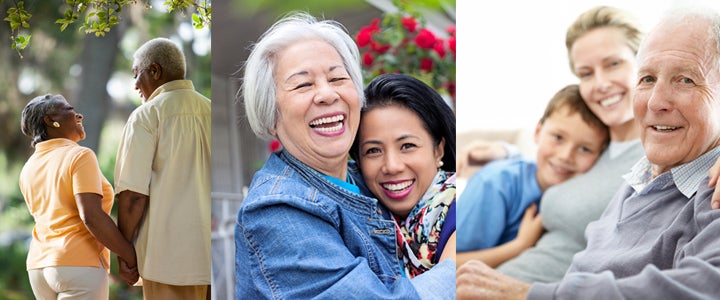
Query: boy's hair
{"points": [[569, 97]]}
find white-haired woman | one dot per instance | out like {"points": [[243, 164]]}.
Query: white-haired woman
{"points": [[70, 201], [306, 228]]}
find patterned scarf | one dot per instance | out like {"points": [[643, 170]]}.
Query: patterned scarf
{"points": [[418, 235]]}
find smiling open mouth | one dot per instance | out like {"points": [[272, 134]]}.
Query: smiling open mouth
{"points": [[329, 124], [665, 128], [611, 100], [396, 187]]}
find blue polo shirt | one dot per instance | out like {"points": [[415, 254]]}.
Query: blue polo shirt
{"points": [[491, 206]]}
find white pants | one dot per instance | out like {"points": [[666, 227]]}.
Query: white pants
{"points": [[70, 283]]}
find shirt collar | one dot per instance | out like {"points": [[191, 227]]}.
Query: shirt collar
{"points": [[171, 85], [686, 177], [53, 143], [348, 184]]}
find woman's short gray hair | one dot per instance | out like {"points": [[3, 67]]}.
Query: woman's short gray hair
{"points": [[32, 121], [258, 85], [165, 53]]}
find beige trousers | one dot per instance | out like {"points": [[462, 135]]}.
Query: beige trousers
{"points": [[158, 291], [69, 283]]}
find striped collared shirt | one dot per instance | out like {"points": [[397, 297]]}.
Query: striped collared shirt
{"points": [[686, 177]]}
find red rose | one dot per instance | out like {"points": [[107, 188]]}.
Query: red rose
{"points": [[368, 59], [426, 64], [379, 48], [451, 89], [364, 36], [425, 39], [409, 23], [440, 48], [451, 44], [450, 30]]}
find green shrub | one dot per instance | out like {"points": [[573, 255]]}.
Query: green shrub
{"points": [[14, 280]]}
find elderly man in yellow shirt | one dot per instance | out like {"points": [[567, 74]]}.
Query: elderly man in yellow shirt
{"points": [[162, 177]]}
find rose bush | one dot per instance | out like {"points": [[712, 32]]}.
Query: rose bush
{"points": [[401, 43]]}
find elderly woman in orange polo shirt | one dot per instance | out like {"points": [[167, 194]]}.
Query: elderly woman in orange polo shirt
{"points": [[70, 201]]}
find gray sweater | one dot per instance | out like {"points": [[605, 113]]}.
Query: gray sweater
{"points": [[655, 244], [567, 208]]}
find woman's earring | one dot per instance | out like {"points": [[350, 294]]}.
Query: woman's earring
{"points": [[56, 124], [440, 164]]}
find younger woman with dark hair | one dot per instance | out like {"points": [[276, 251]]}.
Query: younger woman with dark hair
{"points": [[406, 152]]}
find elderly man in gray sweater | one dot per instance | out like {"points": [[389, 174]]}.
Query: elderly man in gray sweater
{"points": [[659, 237]]}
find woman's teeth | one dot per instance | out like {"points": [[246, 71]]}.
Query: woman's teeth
{"points": [[611, 100], [327, 120], [397, 186], [319, 124], [665, 128]]}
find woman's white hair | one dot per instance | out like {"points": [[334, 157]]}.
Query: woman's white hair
{"points": [[163, 52], [258, 87]]}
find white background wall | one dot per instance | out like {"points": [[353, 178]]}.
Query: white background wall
{"points": [[512, 56]]}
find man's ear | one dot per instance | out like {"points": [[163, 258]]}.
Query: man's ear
{"points": [[155, 71]]}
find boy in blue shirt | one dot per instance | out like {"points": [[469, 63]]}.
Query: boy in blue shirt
{"points": [[503, 193]]}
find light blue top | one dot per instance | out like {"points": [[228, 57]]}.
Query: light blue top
{"points": [[300, 236], [567, 208], [656, 240], [492, 205]]}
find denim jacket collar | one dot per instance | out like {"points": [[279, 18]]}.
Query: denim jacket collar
{"points": [[359, 203]]}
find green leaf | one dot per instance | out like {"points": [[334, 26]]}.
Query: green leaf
{"points": [[101, 18], [21, 42], [394, 37]]}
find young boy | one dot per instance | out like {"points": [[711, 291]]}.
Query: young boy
{"points": [[570, 138]]}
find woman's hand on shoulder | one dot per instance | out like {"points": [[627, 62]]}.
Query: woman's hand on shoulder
{"points": [[714, 175], [479, 153]]}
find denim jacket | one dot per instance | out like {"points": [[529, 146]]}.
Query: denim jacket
{"points": [[299, 236]]}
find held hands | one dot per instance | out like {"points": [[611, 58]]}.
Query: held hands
{"points": [[478, 153], [128, 273], [475, 280]]}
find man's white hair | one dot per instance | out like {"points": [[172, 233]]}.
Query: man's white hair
{"points": [[163, 52]]}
